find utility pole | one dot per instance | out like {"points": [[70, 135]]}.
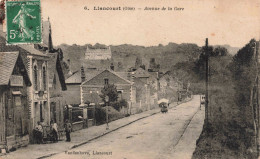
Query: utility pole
{"points": [[257, 101], [206, 49], [107, 100]]}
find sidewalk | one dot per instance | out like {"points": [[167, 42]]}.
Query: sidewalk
{"points": [[186, 145], [78, 138]]}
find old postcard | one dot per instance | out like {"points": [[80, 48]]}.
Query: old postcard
{"points": [[129, 79]]}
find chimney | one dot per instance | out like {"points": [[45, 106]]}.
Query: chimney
{"points": [[69, 73], [112, 67], [50, 45], [83, 77]]}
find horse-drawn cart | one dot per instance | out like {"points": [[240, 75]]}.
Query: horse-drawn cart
{"points": [[163, 104]]}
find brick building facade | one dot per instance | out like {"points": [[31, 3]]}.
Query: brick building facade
{"points": [[90, 89]]}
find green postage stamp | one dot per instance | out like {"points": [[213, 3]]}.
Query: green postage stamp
{"points": [[23, 22]]}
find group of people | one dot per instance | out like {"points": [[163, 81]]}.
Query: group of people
{"points": [[40, 131]]}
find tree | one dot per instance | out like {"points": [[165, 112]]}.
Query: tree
{"points": [[244, 73], [219, 51], [138, 62], [110, 91]]}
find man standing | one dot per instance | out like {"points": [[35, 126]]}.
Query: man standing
{"points": [[67, 130]]}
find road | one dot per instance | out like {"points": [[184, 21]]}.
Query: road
{"points": [[160, 136]]}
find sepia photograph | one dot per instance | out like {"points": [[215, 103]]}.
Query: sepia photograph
{"points": [[129, 79]]}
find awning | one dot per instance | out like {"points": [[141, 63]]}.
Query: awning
{"points": [[163, 100]]}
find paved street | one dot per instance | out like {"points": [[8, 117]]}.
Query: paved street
{"points": [[159, 136]]}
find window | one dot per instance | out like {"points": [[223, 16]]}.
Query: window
{"points": [[44, 78], [35, 77], [120, 96], [41, 113], [106, 81], [54, 82], [53, 111]]}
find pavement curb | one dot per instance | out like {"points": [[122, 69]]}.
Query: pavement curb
{"points": [[99, 136], [110, 131]]}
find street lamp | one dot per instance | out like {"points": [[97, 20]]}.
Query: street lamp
{"points": [[107, 100]]}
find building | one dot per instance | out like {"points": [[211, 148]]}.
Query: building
{"points": [[14, 110], [145, 86], [140, 79], [36, 59], [146, 83], [153, 81], [38, 94], [57, 85], [56, 76], [169, 87], [98, 54], [91, 88], [73, 82]]}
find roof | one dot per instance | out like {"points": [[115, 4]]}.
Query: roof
{"points": [[76, 76], [141, 73], [7, 62], [123, 74], [53, 66], [31, 50], [110, 71]]}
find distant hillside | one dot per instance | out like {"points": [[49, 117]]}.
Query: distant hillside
{"points": [[125, 55], [167, 56]]}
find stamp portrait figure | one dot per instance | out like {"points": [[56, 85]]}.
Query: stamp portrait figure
{"points": [[24, 31], [23, 22]]}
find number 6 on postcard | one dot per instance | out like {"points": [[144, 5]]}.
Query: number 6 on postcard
{"points": [[23, 22]]}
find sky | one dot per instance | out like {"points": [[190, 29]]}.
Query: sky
{"points": [[232, 22]]}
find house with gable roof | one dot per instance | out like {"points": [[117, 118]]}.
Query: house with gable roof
{"points": [[73, 83], [42, 63], [91, 89], [14, 110]]}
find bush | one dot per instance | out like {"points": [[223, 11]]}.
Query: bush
{"points": [[113, 114], [116, 106], [119, 104], [100, 115]]}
